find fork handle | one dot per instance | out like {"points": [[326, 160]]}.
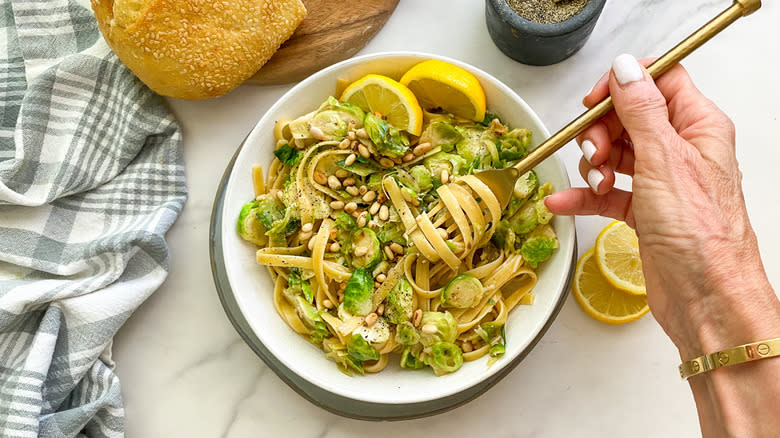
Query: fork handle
{"points": [[738, 9]]}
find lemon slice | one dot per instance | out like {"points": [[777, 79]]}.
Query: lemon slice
{"points": [[617, 254], [376, 93], [602, 301], [438, 84]]}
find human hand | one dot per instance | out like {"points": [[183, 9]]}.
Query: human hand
{"points": [[705, 282]]}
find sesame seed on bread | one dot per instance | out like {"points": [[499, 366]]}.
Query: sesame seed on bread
{"points": [[195, 49]]}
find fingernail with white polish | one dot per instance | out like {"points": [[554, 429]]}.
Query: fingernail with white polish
{"points": [[588, 150], [595, 177], [627, 69]]}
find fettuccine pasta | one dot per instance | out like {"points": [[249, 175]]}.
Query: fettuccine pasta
{"points": [[381, 243]]}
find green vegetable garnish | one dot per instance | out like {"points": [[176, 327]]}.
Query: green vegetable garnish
{"points": [[288, 155], [410, 361], [445, 358], [399, 302], [361, 350], [357, 294], [406, 334], [365, 238], [389, 141], [462, 292], [445, 324]]}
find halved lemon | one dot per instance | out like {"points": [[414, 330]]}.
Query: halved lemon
{"points": [[438, 84], [602, 301], [617, 254], [376, 93]]}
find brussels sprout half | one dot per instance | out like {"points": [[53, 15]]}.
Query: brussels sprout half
{"points": [[249, 226], [445, 324], [462, 292], [399, 302], [366, 238]]}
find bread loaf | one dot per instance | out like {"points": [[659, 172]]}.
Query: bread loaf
{"points": [[194, 49]]}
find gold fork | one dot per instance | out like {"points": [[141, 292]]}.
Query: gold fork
{"points": [[502, 181]]}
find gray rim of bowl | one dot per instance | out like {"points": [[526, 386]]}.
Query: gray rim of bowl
{"points": [[508, 15], [336, 404]]}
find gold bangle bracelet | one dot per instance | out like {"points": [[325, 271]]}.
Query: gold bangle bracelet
{"points": [[732, 356]]}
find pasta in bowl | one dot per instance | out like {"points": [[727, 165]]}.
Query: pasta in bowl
{"points": [[346, 271]]}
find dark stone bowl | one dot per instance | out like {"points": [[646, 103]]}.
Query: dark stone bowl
{"points": [[535, 43]]}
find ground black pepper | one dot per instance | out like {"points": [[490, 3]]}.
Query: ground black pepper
{"points": [[547, 11]]}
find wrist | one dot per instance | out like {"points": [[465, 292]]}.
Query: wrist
{"points": [[729, 312]]}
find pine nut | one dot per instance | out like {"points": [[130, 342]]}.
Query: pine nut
{"points": [[320, 178], [356, 214], [371, 319], [381, 198], [381, 278], [337, 205], [369, 196], [307, 227], [351, 135], [445, 176], [417, 317], [386, 162], [422, 148], [380, 310], [384, 213], [334, 182], [348, 182], [350, 207], [397, 160], [344, 144], [360, 251], [333, 233], [361, 222], [317, 133], [389, 253], [342, 173], [409, 157], [372, 224], [363, 151], [361, 133], [374, 208], [354, 144], [327, 304], [304, 235], [352, 190], [443, 233], [362, 190], [396, 248], [350, 159], [429, 329], [311, 244], [335, 247]]}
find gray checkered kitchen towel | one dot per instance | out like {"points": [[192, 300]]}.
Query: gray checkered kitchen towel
{"points": [[91, 178]]}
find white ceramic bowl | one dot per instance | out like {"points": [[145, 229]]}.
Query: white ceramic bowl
{"points": [[252, 284]]}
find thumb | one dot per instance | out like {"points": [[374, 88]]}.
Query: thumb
{"points": [[641, 107]]}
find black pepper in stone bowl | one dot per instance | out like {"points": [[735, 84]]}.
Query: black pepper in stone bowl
{"points": [[541, 32]]}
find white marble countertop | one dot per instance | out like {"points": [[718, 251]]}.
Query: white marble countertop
{"points": [[186, 373]]}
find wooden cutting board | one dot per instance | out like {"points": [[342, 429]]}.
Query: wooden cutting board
{"points": [[332, 31]]}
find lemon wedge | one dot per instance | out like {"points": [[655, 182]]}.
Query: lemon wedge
{"points": [[600, 299], [617, 255], [439, 84], [395, 102]]}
